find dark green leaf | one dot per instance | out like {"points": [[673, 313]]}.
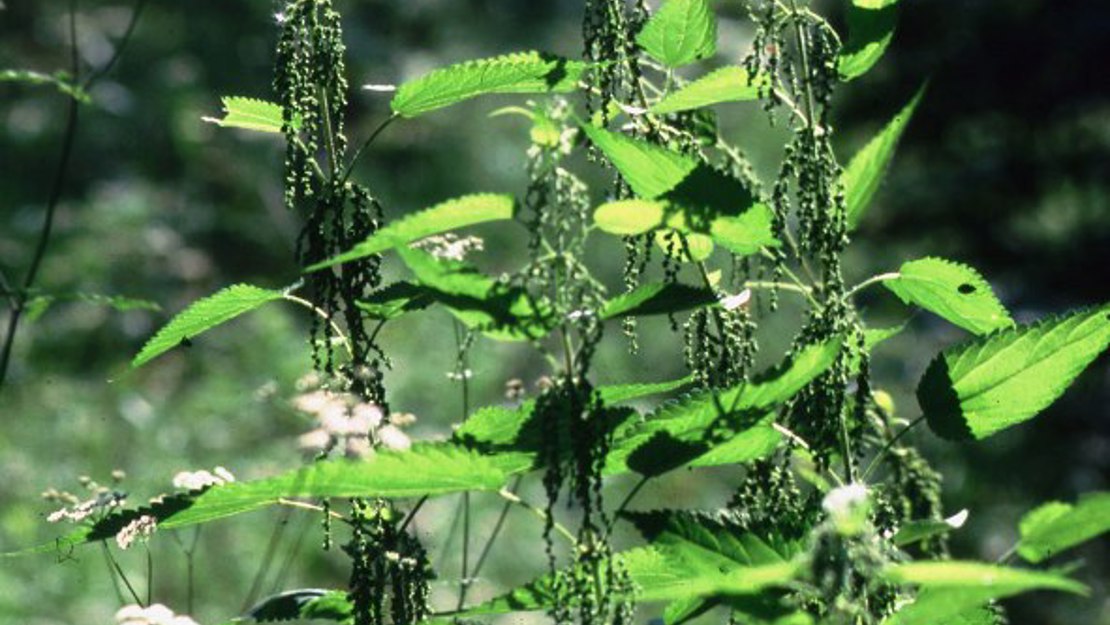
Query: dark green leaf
{"points": [[657, 298], [395, 300], [308, 603], [990, 383], [870, 29]]}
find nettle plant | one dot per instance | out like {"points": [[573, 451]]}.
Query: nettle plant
{"points": [[838, 519]]}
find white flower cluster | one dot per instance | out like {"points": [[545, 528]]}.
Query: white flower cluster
{"points": [[200, 480], [342, 420], [848, 507], [75, 509], [139, 529], [155, 614], [450, 246]]}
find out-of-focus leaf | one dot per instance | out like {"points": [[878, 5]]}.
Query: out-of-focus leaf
{"points": [[1056, 526]]}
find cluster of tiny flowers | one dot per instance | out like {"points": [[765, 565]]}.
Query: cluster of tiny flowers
{"points": [[341, 419], [76, 509], [450, 246], [139, 529], [199, 480], [155, 614]]}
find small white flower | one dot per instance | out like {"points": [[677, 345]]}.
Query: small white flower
{"points": [[402, 419], [392, 437], [280, 17], [139, 529], [156, 614], [199, 480], [224, 474], [358, 448], [380, 88], [847, 507], [364, 417], [315, 441], [732, 302]]}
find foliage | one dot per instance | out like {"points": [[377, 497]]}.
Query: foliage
{"points": [[859, 543]]}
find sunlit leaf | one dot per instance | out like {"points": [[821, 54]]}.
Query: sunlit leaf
{"points": [[521, 72], [681, 32], [461, 212], [990, 383], [203, 315], [250, 114], [865, 171], [629, 217], [954, 291], [692, 247], [651, 170], [1056, 526], [727, 84]]}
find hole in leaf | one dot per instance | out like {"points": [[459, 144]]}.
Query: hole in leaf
{"points": [[966, 288], [186, 341]]}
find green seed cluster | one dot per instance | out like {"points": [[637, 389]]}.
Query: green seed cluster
{"points": [[390, 572], [609, 30]]}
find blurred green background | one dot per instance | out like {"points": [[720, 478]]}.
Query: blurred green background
{"points": [[1006, 166]]}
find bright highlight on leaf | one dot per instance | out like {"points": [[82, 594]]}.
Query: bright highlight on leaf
{"points": [[250, 114], [990, 383], [681, 32], [650, 170], [727, 84], [1056, 526], [864, 173], [203, 315], [627, 217], [954, 291], [521, 72], [451, 215], [871, 26]]}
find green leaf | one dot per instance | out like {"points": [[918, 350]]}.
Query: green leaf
{"points": [[954, 291], [717, 427], [727, 84], [425, 469], [521, 72], [629, 217], [991, 383], [747, 232], [870, 28], [451, 215], [1056, 526], [695, 248], [251, 114], [59, 80], [657, 298], [500, 310], [651, 170], [39, 304], [864, 173], [203, 315], [953, 589], [307, 603], [681, 32], [619, 393]]}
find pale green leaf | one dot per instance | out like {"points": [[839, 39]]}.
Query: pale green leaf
{"points": [[865, 171], [692, 247], [521, 72], [871, 26], [250, 114], [1056, 526], [954, 291], [727, 84], [468, 210], [657, 298], [629, 217], [651, 170], [59, 80], [681, 32], [204, 315], [990, 383]]}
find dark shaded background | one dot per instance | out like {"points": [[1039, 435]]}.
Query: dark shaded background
{"points": [[1004, 167]]}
